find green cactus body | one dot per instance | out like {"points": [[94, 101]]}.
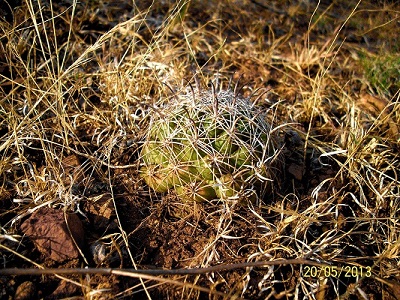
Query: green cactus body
{"points": [[227, 187], [156, 178], [155, 154], [162, 130], [190, 151], [211, 128], [241, 157], [161, 178], [196, 191], [181, 175], [243, 128], [205, 168], [224, 144], [206, 145]]}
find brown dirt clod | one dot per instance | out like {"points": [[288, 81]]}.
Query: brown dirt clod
{"points": [[52, 235]]}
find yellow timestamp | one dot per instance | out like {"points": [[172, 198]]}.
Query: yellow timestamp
{"points": [[334, 271]]}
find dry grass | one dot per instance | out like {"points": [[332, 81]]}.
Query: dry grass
{"points": [[81, 79]]}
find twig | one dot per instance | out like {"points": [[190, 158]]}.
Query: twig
{"points": [[136, 272]]}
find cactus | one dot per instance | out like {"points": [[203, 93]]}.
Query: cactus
{"points": [[209, 145]]}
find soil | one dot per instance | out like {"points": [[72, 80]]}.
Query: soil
{"points": [[160, 230]]}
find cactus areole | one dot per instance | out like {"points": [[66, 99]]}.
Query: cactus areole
{"points": [[209, 145]]}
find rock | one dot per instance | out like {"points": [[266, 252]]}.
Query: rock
{"points": [[49, 232]]}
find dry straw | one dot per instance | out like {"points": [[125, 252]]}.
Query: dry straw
{"points": [[86, 80]]}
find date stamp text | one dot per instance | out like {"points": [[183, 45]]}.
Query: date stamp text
{"points": [[334, 271]]}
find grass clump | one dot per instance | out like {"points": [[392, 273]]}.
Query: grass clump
{"points": [[382, 72]]}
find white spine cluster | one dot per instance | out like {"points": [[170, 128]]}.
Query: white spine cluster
{"points": [[207, 145]]}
